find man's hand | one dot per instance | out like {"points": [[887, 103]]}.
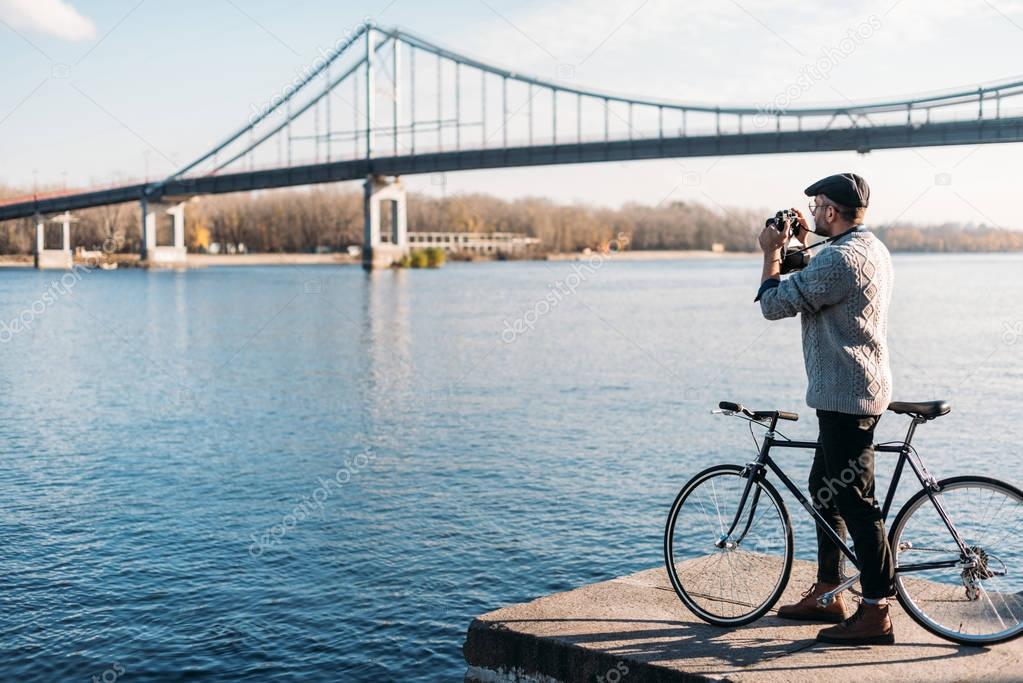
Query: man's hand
{"points": [[803, 229], [771, 241]]}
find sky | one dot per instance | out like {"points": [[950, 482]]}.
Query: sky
{"points": [[100, 90]]}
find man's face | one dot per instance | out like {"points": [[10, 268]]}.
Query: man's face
{"points": [[824, 215]]}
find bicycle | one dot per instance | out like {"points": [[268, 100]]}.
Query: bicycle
{"points": [[951, 558]]}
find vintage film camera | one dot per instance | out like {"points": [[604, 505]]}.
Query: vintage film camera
{"points": [[791, 259]]}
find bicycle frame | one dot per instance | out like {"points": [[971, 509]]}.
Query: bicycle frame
{"points": [[756, 470]]}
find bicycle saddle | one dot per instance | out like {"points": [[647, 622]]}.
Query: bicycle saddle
{"points": [[925, 409]]}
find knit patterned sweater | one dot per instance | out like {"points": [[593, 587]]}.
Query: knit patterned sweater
{"points": [[843, 297]]}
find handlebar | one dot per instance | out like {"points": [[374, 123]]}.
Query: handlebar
{"points": [[728, 407]]}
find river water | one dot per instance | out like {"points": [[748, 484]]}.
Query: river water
{"points": [[291, 473]]}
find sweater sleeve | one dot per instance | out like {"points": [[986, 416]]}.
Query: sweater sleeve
{"points": [[824, 282]]}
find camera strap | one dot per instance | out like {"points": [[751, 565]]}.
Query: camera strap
{"points": [[826, 241]]}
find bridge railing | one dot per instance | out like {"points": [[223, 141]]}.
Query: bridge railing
{"points": [[70, 191]]}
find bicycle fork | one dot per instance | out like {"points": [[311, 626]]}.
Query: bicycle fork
{"points": [[752, 473], [724, 541]]}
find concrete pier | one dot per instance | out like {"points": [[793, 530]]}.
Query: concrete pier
{"points": [[154, 254], [376, 252], [59, 259], [635, 630]]}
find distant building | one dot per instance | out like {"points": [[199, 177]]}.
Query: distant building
{"points": [[227, 248], [473, 242]]}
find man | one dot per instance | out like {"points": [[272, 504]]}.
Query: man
{"points": [[842, 298]]}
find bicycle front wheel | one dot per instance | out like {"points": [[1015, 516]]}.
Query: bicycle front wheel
{"points": [[735, 580], [976, 599]]}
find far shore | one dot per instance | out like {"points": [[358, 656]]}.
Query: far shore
{"points": [[204, 260], [655, 255], [338, 259], [342, 259]]}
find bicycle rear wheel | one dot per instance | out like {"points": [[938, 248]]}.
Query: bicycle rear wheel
{"points": [[973, 600], [735, 584]]}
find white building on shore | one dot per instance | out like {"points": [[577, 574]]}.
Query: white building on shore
{"points": [[474, 242]]}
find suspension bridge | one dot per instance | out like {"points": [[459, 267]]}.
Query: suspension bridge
{"points": [[385, 103]]}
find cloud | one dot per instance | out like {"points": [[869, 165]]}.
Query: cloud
{"points": [[52, 17]]}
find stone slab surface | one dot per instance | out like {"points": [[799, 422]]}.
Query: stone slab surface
{"points": [[635, 629]]}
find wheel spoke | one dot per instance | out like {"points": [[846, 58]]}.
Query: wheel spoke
{"points": [[721, 522], [992, 605]]}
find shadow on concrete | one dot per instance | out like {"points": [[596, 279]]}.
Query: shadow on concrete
{"points": [[763, 642]]}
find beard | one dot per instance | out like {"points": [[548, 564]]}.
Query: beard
{"points": [[823, 228]]}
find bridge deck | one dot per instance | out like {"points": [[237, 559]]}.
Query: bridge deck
{"points": [[634, 629], [862, 139]]}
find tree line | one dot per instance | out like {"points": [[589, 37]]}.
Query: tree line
{"points": [[310, 219]]}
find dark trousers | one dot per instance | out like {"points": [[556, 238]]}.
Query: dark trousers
{"points": [[842, 489]]}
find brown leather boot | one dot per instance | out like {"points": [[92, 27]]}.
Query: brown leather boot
{"points": [[807, 609], [871, 625]]}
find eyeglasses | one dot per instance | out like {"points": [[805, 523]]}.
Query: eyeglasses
{"points": [[813, 207]]}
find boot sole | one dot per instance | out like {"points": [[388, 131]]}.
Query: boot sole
{"points": [[873, 640], [822, 618]]}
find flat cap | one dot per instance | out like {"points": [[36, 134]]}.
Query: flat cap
{"points": [[847, 189]]}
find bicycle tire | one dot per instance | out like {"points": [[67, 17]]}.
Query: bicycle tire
{"points": [[905, 596], [670, 564]]}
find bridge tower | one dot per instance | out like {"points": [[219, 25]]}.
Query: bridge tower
{"points": [[54, 258], [154, 254], [378, 252]]}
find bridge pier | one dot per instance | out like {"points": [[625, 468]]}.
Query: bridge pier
{"points": [[59, 259], [376, 251], [154, 254]]}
